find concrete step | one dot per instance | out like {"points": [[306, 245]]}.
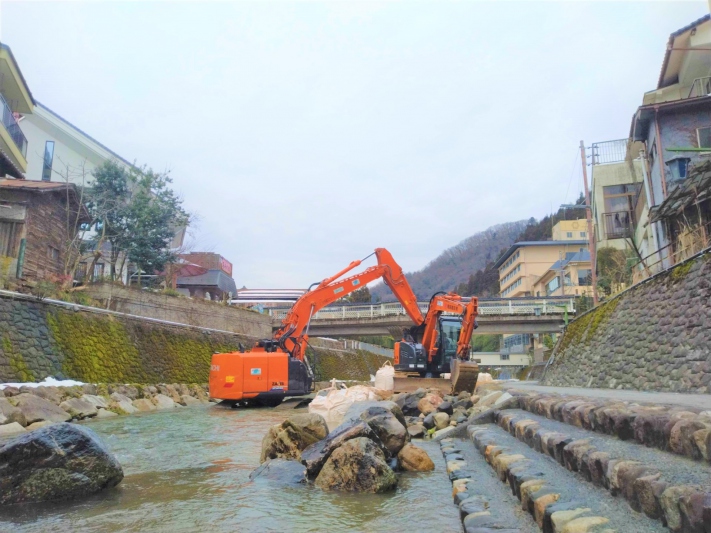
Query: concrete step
{"points": [[667, 487], [682, 430], [560, 501]]}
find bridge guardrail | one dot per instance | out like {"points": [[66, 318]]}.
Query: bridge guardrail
{"points": [[528, 306]]}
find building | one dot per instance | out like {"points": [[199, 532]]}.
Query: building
{"points": [[35, 238], [569, 276], [504, 364], [570, 230], [525, 262], [674, 125], [211, 281], [16, 100]]}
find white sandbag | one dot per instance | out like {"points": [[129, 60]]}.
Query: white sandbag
{"points": [[333, 406], [384, 377]]}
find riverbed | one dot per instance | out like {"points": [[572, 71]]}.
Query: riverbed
{"points": [[188, 470]]}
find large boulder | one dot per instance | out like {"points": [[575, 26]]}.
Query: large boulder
{"points": [[79, 408], [288, 439], [429, 403], [121, 404], [96, 401], [408, 403], [9, 413], [161, 401], [51, 394], [355, 411], [13, 428], [36, 409], [280, 470], [57, 462], [414, 459], [358, 465], [143, 404], [315, 455], [391, 432]]}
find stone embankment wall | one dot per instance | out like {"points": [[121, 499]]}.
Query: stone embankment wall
{"points": [[655, 336], [194, 312], [38, 339]]}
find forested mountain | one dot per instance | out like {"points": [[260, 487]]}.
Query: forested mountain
{"points": [[454, 265], [468, 267]]}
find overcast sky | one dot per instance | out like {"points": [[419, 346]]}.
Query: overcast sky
{"points": [[306, 134]]}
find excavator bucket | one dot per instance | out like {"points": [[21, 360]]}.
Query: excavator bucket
{"points": [[464, 376]]}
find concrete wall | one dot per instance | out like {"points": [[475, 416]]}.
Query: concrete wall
{"points": [[194, 312], [38, 339], [655, 336]]}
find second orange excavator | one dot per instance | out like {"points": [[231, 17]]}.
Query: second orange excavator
{"points": [[277, 367]]}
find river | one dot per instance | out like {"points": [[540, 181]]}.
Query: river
{"points": [[188, 470]]}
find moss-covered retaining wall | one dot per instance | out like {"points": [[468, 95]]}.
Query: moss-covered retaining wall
{"points": [[40, 339], [655, 336]]}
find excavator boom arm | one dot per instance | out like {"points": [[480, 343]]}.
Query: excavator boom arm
{"points": [[292, 337]]}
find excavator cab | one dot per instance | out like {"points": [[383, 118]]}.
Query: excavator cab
{"points": [[411, 356]]}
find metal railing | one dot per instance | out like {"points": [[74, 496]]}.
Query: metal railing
{"points": [[609, 152], [618, 225], [12, 127], [527, 306], [700, 87]]}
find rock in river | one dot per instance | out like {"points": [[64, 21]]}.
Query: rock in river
{"points": [[389, 430], [37, 409], [281, 470], [288, 439], [9, 413], [357, 465], [79, 408], [318, 453], [414, 459], [57, 462]]}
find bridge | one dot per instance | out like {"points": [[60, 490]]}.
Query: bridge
{"points": [[496, 315]]}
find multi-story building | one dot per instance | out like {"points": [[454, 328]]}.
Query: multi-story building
{"points": [[525, 262], [569, 276], [15, 100], [570, 230], [674, 123]]}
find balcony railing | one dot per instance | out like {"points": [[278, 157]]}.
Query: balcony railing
{"points": [[13, 128], [619, 225], [609, 152], [700, 87]]}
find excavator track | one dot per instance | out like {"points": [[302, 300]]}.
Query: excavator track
{"points": [[411, 381], [464, 376]]}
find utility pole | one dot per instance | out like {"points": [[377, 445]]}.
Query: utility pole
{"points": [[588, 213]]}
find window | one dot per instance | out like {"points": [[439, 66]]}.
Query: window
{"points": [[48, 158], [704, 137], [52, 253], [80, 273], [552, 286], [584, 276], [583, 234], [511, 287], [98, 272], [9, 238], [569, 234], [678, 168], [505, 356]]}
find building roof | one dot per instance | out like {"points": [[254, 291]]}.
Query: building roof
{"points": [[34, 185], [211, 278], [523, 244], [645, 113], [577, 257], [663, 82], [693, 190], [82, 132], [19, 71]]}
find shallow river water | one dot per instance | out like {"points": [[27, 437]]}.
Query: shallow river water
{"points": [[188, 470]]}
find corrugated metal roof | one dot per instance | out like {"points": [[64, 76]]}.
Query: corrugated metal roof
{"points": [[211, 278], [34, 185]]}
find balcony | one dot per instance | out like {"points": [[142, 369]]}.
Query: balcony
{"points": [[618, 225], [607, 152], [700, 87], [13, 128]]}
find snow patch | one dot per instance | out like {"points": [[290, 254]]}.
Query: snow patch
{"points": [[48, 382]]}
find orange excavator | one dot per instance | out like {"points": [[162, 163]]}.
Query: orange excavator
{"points": [[277, 367]]}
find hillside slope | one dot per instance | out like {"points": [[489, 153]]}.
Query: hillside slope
{"points": [[454, 265]]}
